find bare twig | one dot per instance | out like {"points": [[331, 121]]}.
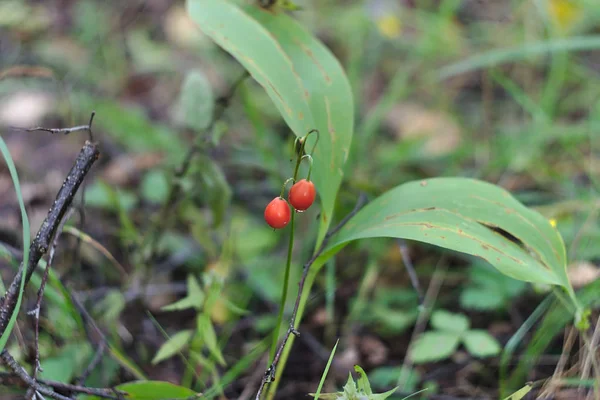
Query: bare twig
{"points": [[424, 312], [12, 379], [86, 158], [93, 363], [106, 393], [38, 304], [65, 131], [269, 375], [175, 190], [410, 269], [24, 376], [103, 342], [40, 245]]}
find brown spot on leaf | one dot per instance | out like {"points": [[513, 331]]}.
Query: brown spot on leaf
{"points": [[423, 183], [314, 59]]}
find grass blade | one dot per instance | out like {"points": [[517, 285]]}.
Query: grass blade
{"points": [[26, 239]]}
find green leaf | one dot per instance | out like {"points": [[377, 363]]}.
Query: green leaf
{"points": [[131, 127], [363, 382], [207, 333], [155, 390], [67, 363], [196, 101], [26, 240], [447, 321], [434, 346], [301, 76], [155, 186], [210, 186], [481, 344], [100, 194], [173, 346], [194, 298], [499, 56], [329, 98], [519, 394], [324, 376], [111, 306], [481, 298], [459, 214]]}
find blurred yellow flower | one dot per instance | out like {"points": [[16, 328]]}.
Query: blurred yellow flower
{"points": [[389, 26], [553, 222], [565, 13]]}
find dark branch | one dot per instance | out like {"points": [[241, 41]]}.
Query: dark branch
{"points": [[12, 379], [65, 131], [410, 269], [40, 245], [28, 380], [270, 372], [40, 295]]}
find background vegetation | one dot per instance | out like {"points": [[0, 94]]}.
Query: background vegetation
{"points": [[176, 277]]}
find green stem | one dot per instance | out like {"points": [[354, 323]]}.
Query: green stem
{"points": [[310, 280], [286, 280], [288, 263]]}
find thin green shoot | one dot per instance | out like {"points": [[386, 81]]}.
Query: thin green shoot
{"points": [[324, 376], [26, 240]]}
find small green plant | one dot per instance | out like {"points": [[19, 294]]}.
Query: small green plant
{"points": [[356, 390], [450, 330], [203, 300], [489, 289]]}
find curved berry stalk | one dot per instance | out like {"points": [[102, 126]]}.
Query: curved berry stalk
{"points": [[299, 149]]}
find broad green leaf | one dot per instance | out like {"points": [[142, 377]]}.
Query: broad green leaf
{"points": [[480, 343], [26, 240], [155, 390], [196, 103], [434, 346], [329, 98], [447, 321], [302, 78], [172, 346], [459, 214]]}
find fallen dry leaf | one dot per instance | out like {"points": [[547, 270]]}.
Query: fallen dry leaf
{"points": [[582, 272], [412, 121]]}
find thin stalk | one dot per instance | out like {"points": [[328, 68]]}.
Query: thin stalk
{"points": [[286, 281], [310, 270], [288, 263]]}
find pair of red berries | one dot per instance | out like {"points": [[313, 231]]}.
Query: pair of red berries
{"points": [[301, 196]]}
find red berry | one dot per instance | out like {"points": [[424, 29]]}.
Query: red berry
{"points": [[277, 213], [302, 195]]}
